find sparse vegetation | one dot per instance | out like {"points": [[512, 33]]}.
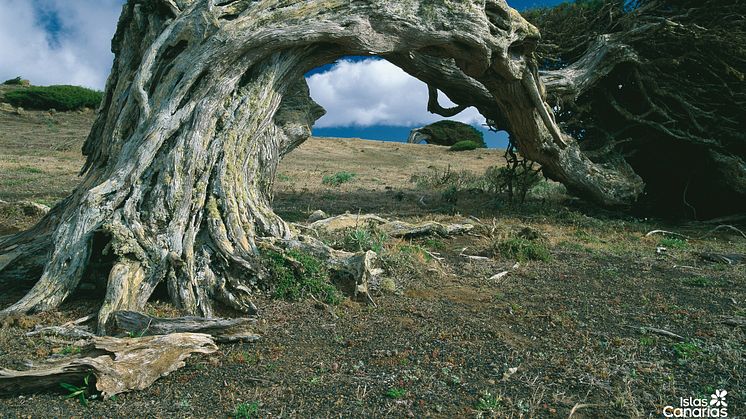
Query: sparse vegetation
{"points": [[684, 351], [488, 402], [298, 276], [522, 249], [396, 393], [338, 178], [61, 98], [698, 281], [80, 392], [363, 239], [673, 243], [246, 410]]}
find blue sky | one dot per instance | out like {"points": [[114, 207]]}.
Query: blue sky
{"points": [[68, 42]]}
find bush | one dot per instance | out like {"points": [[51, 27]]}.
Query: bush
{"points": [[523, 249], [299, 276], [465, 146], [448, 133], [338, 178], [61, 98], [18, 81]]}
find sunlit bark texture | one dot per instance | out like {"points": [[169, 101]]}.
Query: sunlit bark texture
{"points": [[205, 98]]}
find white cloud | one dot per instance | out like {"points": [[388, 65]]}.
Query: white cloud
{"points": [[376, 92], [79, 53], [363, 93]]}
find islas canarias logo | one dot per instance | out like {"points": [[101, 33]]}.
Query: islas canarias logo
{"points": [[715, 407]]}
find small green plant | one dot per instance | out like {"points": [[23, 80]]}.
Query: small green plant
{"points": [[299, 275], [70, 350], [338, 178], [81, 392], [362, 239], [246, 410], [673, 243], [396, 393], [523, 250], [647, 341], [450, 195], [686, 350], [698, 281], [464, 146], [282, 177], [61, 98], [488, 402], [434, 244]]}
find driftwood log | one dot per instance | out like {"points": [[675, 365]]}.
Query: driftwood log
{"points": [[222, 330], [204, 99], [397, 229], [117, 364]]}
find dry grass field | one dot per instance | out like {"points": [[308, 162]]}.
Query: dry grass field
{"points": [[572, 329]]}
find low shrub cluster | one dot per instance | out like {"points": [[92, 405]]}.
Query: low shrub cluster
{"points": [[465, 146], [298, 276], [61, 98], [337, 178]]}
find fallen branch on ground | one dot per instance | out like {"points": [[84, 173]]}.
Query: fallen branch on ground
{"points": [[399, 229], [222, 330], [116, 363], [656, 331]]}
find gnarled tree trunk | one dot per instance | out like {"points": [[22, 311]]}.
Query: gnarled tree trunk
{"points": [[206, 97]]}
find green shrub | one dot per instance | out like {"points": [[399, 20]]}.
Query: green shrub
{"points": [[18, 81], [674, 243], [362, 239], [465, 146], [299, 275], [523, 250], [246, 410], [61, 98], [396, 393], [338, 178], [448, 133]]}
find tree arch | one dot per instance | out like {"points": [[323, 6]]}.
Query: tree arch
{"points": [[205, 98]]}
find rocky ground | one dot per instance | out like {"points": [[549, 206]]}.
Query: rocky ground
{"points": [[576, 327]]}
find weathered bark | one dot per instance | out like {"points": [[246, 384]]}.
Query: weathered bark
{"points": [[206, 97], [222, 330], [116, 363]]}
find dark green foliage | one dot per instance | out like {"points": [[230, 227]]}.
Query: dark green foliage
{"points": [[80, 392], [448, 133], [465, 146], [298, 276], [363, 239], [674, 111], [18, 81], [61, 98], [522, 249], [338, 178], [246, 410]]}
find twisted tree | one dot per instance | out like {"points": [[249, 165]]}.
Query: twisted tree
{"points": [[660, 85], [204, 99]]}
